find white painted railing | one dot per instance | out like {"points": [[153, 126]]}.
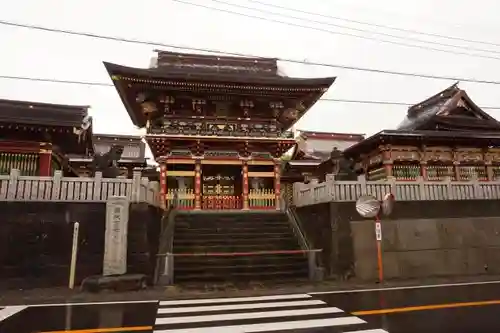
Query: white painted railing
{"points": [[331, 190], [15, 187]]}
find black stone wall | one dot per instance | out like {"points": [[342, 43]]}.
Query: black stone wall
{"points": [[36, 240]]}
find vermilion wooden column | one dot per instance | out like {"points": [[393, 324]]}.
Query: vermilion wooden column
{"points": [[387, 161], [245, 185], [163, 185], [423, 169], [45, 160], [197, 185], [277, 183]]}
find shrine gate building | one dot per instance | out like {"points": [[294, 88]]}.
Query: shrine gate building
{"points": [[217, 126]]}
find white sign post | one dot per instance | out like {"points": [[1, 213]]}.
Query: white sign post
{"points": [[378, 231], [74, 252], [115, 242]]}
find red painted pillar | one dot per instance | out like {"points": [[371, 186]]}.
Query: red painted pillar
{"points": [[197, 185], [277, 183], [245, 185], [163, 185], [45, 160]]}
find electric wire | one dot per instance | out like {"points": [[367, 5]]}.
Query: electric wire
{"points": [[103, 84], [239, 54], [383, 26], [429, 48]]}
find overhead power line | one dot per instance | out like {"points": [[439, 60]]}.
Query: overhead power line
{"points": [[404, 38], [429, 48], [199, 49], [383, 26], [103, 84]]}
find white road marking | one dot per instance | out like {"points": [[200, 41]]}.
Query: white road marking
{"points": [[230, 307], [246, 315], [405, 288], [9, 311], [378, 330], [90, 303], [234, 300], [279, 326]]}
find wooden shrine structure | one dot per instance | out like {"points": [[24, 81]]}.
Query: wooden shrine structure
{"points": [[35, 137], [446, 136], [314, 148], [216, 125]]}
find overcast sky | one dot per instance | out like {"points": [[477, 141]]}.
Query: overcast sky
{"points": [[50, 55]]}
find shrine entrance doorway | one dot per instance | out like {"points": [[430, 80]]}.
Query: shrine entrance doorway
{"points": [[221, 186]]}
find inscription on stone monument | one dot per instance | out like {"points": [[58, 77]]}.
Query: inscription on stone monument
{"points": [[115, 243]]}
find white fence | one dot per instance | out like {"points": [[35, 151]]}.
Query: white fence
{"points": [[331, 190], [14, 187]]}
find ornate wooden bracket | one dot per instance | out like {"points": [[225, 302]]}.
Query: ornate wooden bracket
{"points": [[167, 102], [246, 106], [276, 107], [198, 105]]}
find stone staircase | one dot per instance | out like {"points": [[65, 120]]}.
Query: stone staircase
{"points": [[232, 237]]}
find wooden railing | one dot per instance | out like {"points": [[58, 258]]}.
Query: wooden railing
{"points": [[14, 187], [185, 198], [224, 202], [331, 190], [261, 199]]}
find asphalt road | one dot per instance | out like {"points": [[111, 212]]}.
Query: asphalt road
{"points": [[445, 309]]}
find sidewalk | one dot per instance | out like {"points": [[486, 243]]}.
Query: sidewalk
{"points": [[64, 295]]}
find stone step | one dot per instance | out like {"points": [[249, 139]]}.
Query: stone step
{"points": [[272, 218], [232, 229], [267, 259], [236, 235], [232, 234], [202, 269], [222, 240], [225, 224], [238, 248], [247, 276]]}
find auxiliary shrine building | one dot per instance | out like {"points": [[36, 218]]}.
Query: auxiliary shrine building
{"points": [[446, 136], [218, 126]]}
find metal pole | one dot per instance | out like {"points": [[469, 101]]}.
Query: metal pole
{"points": [[378, 235], [311, 256], [74, 251]]}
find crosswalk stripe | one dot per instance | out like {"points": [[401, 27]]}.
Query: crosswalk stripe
{"points": [[269, 327], [247, 315], [9, 311], [234, 300], [230, 307], [378, 330]]}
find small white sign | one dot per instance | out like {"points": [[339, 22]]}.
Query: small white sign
{"points": [[378, 231]]}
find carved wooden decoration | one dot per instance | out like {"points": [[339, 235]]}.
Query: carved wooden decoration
{"points": [[246, 105], [276, 107], [492, 155], [469, 155], [375, 159], [443, 154], [198, 105], [409, 154], [167, 102]]}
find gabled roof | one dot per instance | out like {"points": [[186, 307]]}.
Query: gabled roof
{"points": [[319, 145], [196, 63], [451, 109], [205, 74], [332, 136], [35, 113]]}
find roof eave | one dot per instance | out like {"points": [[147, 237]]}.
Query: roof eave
{"points": [[130, 110]]}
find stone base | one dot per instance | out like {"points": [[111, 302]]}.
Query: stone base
{"points": [[119, 283]]}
